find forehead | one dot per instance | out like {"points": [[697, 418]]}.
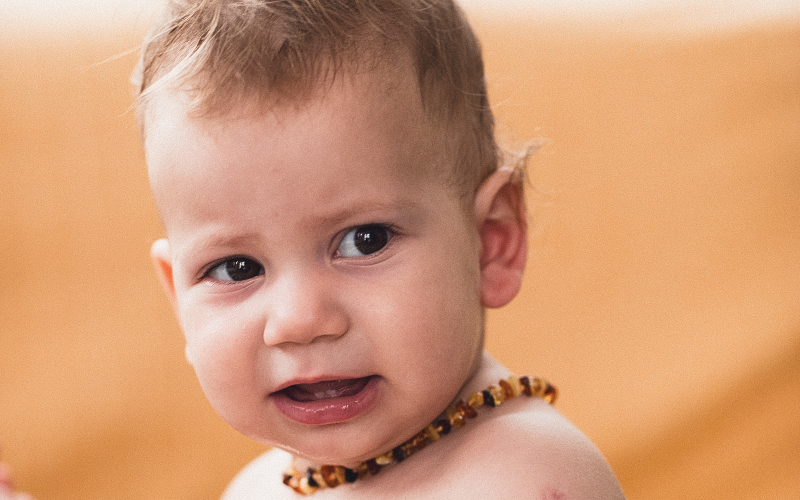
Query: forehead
{"points": [[361, 126]]}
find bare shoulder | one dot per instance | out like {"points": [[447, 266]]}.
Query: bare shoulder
{"points": [[519, 451], [536, 450], [261, 479]]}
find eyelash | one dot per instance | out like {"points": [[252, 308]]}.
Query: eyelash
{"points": [[207, 273], [391, 233]]}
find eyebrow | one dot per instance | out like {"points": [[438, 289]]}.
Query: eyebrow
{"points": [[370, 207], [216, 240]]}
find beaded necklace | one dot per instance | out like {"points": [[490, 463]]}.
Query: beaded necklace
{"points": [[330, 476]]}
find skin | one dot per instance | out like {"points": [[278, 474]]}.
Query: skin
{"points": [[7, 487], [283, 190]]}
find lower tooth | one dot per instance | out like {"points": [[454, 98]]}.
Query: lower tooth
{"points": [[331, 393]]}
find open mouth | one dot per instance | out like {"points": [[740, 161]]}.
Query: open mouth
{"points": [[328, 389], [329, 401]]}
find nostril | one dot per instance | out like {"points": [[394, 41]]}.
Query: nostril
{"points": [[305, 327], [301, 308]]}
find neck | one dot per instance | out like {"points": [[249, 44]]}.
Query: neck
{"points": [[487, 372]]}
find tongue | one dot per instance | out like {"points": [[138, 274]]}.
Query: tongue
{"points": [[326, 390]]}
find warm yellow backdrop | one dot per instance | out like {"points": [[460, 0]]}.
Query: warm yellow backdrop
{"points": [[662, 293]]}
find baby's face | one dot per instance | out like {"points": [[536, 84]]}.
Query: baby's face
{"points": [[327, 282]]}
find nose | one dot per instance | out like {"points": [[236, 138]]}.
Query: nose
{"points": [[302, 308]]}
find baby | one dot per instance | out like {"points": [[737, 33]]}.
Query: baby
{"points": [[337, 220]]}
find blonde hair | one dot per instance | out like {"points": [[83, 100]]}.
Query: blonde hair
{"points": [[224, 51]]}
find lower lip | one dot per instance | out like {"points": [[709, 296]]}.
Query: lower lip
{"points": [[329, 411]]}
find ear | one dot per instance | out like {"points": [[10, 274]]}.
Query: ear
{"points": [[500, 215], [162, 261]]}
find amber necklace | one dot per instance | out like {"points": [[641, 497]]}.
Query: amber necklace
{"points": [[330, 476]]}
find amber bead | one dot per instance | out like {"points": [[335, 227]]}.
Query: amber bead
{"points": [[319, 479], [508, 392], [526, 385], [373, 466], [338, 471], [328, 474], [409, 449], [310, 478], [294, 484], [537, 387], [516, 387], [287, 479], [419, 442], [385, 459], [362, 470], [456, 417], [431, 433], [498, 395], [350, 475], [476, 400], [399, 454], [443, 426], [305, 487], [488, 399], [549, 393], [466, 409]]}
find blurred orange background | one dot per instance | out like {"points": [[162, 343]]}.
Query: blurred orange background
{"points": [[661, 295]]}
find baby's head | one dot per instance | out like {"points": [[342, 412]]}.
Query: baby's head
{"points": [[228, 53], [336, 222]]}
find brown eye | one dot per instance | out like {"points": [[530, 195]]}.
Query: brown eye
{"points": [[236, 269], [364, 240]]}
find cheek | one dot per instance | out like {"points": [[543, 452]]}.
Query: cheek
{"points": [[453, 302], [431, 316], [221, 346]]}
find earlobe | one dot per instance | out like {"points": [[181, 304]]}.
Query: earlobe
{"points": [[162, 261], [500, 215]]}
